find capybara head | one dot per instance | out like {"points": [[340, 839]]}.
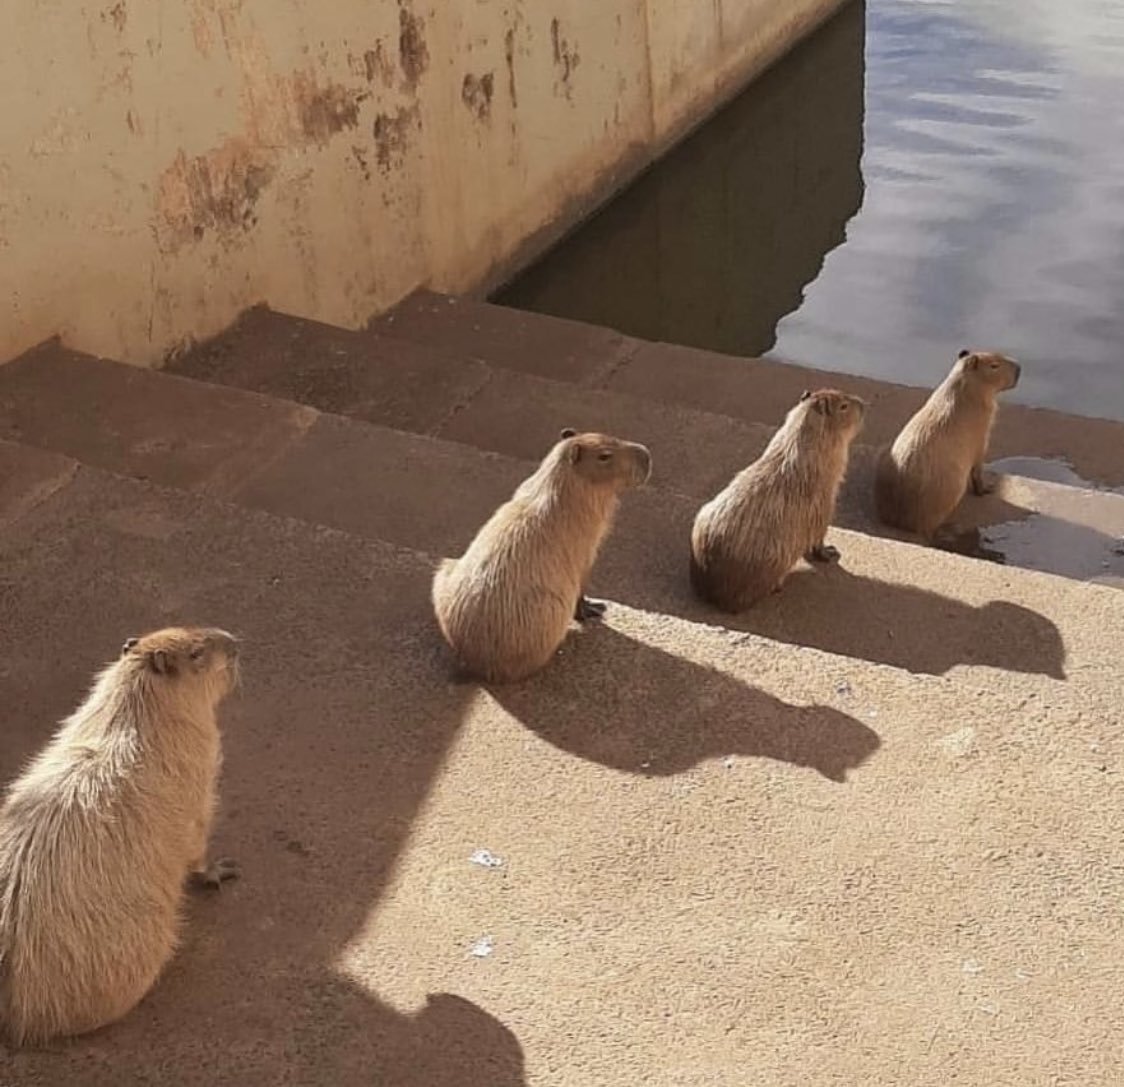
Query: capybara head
{"points": [[182, 656], [603, 460], [831, 410], [989, 369]]}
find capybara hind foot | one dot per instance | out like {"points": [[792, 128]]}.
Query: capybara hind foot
{"points": [[589, 609], [823, 553], [216, 874]]}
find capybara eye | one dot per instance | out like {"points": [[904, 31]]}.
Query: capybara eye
{"points": [[605, 455], [197, 652]]}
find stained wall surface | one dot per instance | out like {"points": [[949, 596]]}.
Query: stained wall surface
{"points": [[165, 165]]}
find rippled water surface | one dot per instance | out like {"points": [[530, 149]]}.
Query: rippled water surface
{"points": [[921, 175]]}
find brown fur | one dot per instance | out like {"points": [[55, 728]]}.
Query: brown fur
{"points": [[506, 604], [747, 539], [940, 452], [99, 833]]}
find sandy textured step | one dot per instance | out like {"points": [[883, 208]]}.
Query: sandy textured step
{"points": [[518, 414], [720, 855], [892, 603], [755, 390]]}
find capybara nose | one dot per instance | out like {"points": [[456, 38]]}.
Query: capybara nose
{"points": [[226, 641], [644, 464]]}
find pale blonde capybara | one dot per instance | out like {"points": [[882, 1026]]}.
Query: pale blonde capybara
{"points": [[100, 834], [940, 452], [746, 540], [506, 604]]}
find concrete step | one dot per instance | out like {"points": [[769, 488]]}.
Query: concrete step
{"points": [[919, 610], [693, 824], [518, 414], [754, 390]]}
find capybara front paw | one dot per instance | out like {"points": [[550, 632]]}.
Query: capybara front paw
{"points": [[216, 873], [982, 484], [589, 609]]}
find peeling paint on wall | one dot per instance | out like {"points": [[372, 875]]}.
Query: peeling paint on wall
{"points": [[216, 191], [231, 151], [323, 112], [391, 133], [566, 58], [476, 93], [509, 60], [378, 66], [413, 54]]}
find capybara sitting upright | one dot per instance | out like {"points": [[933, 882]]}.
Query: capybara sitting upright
{"points": [[101, 832], [505, 605], [940, 452], [777, 511]]}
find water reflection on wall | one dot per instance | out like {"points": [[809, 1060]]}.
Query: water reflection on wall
{"points": [[716, 244]]}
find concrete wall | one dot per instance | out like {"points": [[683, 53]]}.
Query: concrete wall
{"points": [[164, 165]]}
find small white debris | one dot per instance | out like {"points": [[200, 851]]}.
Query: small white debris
{"points": [[843, 687], [971, 966], [645, 765], [872, 713], [728, 762], [483, 947], [959, 743], [988, 1007], [486, 859]]}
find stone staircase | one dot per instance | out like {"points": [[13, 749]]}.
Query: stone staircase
{"points": [[869, 832]]}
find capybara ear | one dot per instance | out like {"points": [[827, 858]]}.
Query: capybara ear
{"points": [[569, 432], [964, 353], [823, 405], [804, 395], [161, 662], [130, 643]]}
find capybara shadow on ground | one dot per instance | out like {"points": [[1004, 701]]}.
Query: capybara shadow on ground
{"points": [[828, 607], [905, 626], [633, 707]]}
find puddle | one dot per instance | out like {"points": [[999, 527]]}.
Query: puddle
{"points": [[1048, 471], [1080, 536]]}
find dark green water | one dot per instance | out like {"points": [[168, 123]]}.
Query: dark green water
{"points": [[919, 176]]}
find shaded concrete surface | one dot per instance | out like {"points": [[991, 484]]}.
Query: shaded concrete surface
{"points": [[760, 390], [920, 610], [915, 609], [539, 344], [330, 369], [506, 410], [181, 433], [906, 607], [731, 897]]}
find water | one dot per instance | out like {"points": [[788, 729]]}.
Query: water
{"points": [[920, 176]]}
